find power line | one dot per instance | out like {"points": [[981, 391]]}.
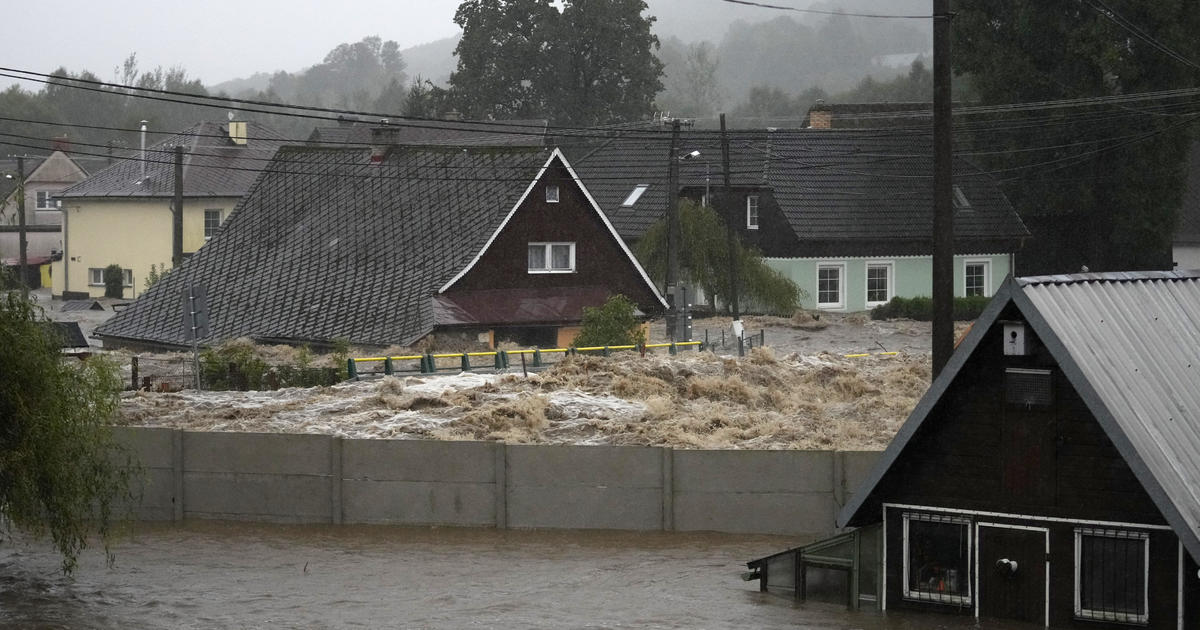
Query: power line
{"points": [[781, 7], [1116, 18]]}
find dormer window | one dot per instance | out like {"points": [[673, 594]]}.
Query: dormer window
{"points": [[752, 212], [634, 195], [960, 199], [552, 193]]}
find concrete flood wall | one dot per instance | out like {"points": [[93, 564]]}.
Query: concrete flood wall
{"points": [[291, 478]]}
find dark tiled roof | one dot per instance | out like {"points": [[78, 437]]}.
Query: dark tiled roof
{"points": [[332, 247], [831, 184], [435, 132], [213, 166], [516, 306]]}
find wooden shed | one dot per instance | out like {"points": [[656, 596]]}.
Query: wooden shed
{"points": [[1051, 474]]}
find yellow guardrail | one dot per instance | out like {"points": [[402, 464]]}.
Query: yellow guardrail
{"points": [[428, 362], [870, 354]]}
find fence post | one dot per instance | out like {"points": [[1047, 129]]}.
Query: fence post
{"points": [[428, 363], [504, 358], [387, 365], [537, 357], [134, 367], [673, 348], [762, 337], [351, 369], [605, 350], [466, 362]]}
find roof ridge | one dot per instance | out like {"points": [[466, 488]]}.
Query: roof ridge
{"points": [[1110, 276]]}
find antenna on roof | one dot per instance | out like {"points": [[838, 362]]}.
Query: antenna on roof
{"points": [[143, 177]]}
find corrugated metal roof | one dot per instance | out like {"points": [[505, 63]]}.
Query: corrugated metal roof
{"points": [[1135, 339]]}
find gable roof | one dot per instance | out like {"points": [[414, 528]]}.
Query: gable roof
{"points": [[334, 247], [1129, 343], [213, 166], [831, 184]]}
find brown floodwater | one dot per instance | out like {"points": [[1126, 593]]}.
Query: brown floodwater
{"points": [[205, 574]]}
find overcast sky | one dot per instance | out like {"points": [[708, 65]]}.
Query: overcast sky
{"points": [[215, 40]]}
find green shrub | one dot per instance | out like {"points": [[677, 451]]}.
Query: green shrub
{"points": [[114, 281], [232, 365], [920, 308], [614, 324]]}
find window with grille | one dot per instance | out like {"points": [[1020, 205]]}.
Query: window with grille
{"points": [[1110, 575], [551, 257], [752, 212], [212, 221], [552, 194], [879, 283], [96, 277], [937, 558], [975, 275], [829, 286], [45, 200]]}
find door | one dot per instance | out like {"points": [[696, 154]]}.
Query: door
{"points": [[1012, 568]]}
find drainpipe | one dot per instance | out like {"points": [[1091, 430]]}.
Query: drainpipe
{"points": [[66, 249]]}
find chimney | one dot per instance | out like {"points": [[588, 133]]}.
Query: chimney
{"points": [[237, 132], [820, 117], [381, 139]]}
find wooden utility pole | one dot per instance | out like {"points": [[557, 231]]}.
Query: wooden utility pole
{"points": [[177, 212], [674, 234], [731, 220], [943, 207], [22, 240]]}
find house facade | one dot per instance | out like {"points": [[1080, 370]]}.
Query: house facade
{"points": [[847, 214], [45, 179], [387, 245], [1049, 474], [123, 214]]}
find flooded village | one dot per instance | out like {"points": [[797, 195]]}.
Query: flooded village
{"points": [[604, 314]]}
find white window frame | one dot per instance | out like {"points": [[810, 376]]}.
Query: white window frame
{"points": [[890, 291], [96, 277], [967, 580], [43, 200], [634, 195], [220, 219], [552, 193], [548, 257], [1102, 615], [987, 275], [841, 269], [752, 212]]}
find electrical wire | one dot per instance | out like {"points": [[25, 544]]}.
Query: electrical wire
{"points": [[781, 7]]}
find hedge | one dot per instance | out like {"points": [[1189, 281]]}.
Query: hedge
{"points": [[921, 308]]}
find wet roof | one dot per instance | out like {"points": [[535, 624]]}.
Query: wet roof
{"points": [[1129, 343], [829, 183], [213, 165]]}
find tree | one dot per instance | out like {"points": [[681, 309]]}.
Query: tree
{"points": [[613, 324], [606, 68], [1101, 186], [692, 86], [114, 281], [503, 58], [704, 257], [58, 474], [591, 64]]}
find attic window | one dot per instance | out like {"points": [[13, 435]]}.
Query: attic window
{"points": [[552, 194], [960, 200], [1028, 388], [634, 195]]}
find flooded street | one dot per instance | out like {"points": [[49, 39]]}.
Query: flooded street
{"points": [[235, 575]]}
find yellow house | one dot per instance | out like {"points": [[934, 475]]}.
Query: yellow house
{"points": [[123, 214]]}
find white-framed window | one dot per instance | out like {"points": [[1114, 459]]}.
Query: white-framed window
{"points": [[752, 212], [831, 285], [880, 282], [1111, 575], [44, 200], [96, 277], [937, 558], [634, 195], [552, 193], [551, 257], [975, 277], [212, 221]]}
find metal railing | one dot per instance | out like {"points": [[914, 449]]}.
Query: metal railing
{"points": [[530, 358]]}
